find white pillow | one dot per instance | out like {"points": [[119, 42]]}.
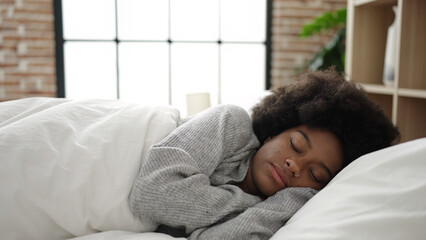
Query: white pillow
{"points": [[382, 195]]}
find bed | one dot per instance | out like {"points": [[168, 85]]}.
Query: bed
{"points": [[67, 168]]}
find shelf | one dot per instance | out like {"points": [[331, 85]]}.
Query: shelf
{"points": [[366, 37], [375, 2], [379, 89], [405, 92], [412, 70], [367, 50], [411, 118], [362, 2]]}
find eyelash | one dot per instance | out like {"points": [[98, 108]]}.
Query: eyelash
{"points": [[293, 147], [313, 176]]}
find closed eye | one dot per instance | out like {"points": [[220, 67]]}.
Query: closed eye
{"points": [[313, 176], [293, 147]]}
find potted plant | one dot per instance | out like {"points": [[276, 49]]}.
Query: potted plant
{"points": [[333, 53]]}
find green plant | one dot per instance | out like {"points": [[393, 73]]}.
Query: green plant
{"points": [[333, 53]]}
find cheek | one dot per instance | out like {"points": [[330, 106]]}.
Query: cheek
{"points": [[263, 179], [260, 172], [305, 181]]}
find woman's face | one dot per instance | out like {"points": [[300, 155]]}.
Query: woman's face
{"points": [[298, 157]]}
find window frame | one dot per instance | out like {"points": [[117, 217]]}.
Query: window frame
{"points": [[60, 41]]}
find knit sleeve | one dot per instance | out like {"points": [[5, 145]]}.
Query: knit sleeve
{"points": [[173, 187], [260, 221]]}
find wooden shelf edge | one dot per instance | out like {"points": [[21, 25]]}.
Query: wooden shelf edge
{"points": [[378, 89], [413, 93], [365, 2], [362, 2]]}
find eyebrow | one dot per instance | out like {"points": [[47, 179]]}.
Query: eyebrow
{"points": [[308, 141]]}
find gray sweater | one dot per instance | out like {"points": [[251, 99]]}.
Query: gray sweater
{"points": [[187, 180]]}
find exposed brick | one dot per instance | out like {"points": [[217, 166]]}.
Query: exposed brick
{"points": [[45, 8], [289, 51], [27, 57], [7, 2]]}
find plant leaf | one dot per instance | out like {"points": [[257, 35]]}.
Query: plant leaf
{"points": [[325, 21]]}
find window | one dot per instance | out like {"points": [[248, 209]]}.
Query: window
{"points": [[159, 51]]}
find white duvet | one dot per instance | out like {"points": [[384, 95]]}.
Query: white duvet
{"points": [[67, 167]]}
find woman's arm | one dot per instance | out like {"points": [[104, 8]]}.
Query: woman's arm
{"points": [[260, 221], [174, 186]]}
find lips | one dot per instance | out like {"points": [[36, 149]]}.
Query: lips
{"points": [[278, 175]]}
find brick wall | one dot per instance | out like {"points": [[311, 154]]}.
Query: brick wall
{"points": [[27, 49], [27, 43], [289, 51]]}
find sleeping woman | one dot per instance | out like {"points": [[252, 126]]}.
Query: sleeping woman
{"points": [[225, 175]]}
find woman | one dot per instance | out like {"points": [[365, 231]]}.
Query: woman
{"points": [[224, 175]]}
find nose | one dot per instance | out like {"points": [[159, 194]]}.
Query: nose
{"points": [[293, 167]]}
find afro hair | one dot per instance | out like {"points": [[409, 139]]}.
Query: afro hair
{"points": [[326, 100]]}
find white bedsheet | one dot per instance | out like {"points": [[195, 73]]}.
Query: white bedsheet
{"points": [[67, 167]]}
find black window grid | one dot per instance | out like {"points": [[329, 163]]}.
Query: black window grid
{"points": [[60, 41]]}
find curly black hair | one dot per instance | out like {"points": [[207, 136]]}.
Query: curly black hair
{"points": [[326, 100]]}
